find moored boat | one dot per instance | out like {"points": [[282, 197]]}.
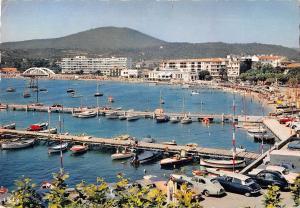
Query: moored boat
{"points": [[175, 161], [186, 120], [10, 89], [266, 138], [254, 131], [26, 94], [87, 114], [194, 93], [98, 94], [9, 126], [57, 148], [125, 154], [38, 127], [79, 149], [174, 119], [132, 117], [50, 131], [18, 144], [148, 139], [146, 157], [70, 90], [226, 164], [173, 142], [162, 119], [111, 99]]}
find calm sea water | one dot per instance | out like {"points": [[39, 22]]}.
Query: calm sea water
{"points": [[38, 165]]}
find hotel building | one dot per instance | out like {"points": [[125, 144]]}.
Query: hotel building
{"points": [[104, 66]]}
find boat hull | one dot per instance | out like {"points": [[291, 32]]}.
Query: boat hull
{"points": [[18, 145], [171, 163], [58, 148], [79, 149], [121, 156], [225, 164]]}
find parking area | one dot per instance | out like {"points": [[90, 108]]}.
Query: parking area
{"points": [[239, 201]]}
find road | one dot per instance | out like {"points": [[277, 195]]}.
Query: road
{"points": [[239, 201]]}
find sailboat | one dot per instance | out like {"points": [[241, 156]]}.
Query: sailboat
{"points": [[160, 116], [98, 94], [186, 119], [26, 94], [161, 100]]}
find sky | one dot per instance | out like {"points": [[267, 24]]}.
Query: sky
{"points": [[231, 21]]}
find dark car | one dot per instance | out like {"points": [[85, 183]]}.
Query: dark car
{"points": [[295, 145], [240, 184], [267, 178]]}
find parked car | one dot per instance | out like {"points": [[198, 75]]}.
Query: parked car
{"points": [[289, 176], [295, 145], [205, 185], [267, 178], [240, 184]]}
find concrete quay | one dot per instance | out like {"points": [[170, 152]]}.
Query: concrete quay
{"points": [[196, 116], [282, 132], [198, 151]]}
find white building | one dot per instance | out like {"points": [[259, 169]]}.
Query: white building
{"points": [[233, 68], [275, 61], [130, 73], [106, 66], [192, 67], [172, 74]]}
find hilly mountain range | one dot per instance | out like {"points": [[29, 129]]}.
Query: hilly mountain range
{"points": [[114, 41]]}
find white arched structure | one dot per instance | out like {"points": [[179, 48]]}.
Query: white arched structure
{"points": [[38, 71]]}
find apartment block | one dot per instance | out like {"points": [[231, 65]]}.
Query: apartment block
{"points": [[105, 66]]}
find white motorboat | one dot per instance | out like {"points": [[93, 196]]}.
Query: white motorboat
{"points": [[177, 160], [132, 117], [174, 119], [186, 120], [18, 144], [58, 148], [254, 131], [50, 131], [226, 164], [98, 94], [194, 93], [122, 117], [87, 114], [173, 142], [9, 126], [122, 155]]}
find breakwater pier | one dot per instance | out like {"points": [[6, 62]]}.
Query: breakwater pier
{"points": [[196, 151], [196, 116]]}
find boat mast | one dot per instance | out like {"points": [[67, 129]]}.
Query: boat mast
{"points": [[37, 90], [60, 140], [233, 132]]}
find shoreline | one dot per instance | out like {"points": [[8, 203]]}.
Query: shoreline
{"points": [[251, 93]]}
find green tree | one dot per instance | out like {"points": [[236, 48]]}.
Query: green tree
{"points": [[203, 74], [92, 195], [223, 73], [296, 191], [272, 197], [58, 197], [25, 195], [184, 197]]}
